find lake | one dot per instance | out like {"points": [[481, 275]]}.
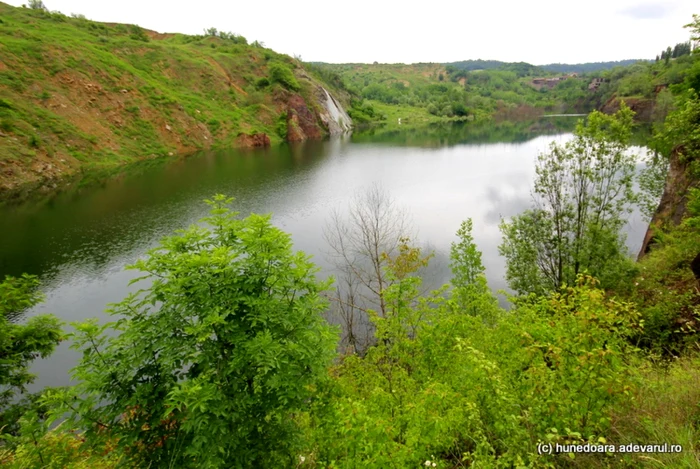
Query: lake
{"points": [[79, 241]]}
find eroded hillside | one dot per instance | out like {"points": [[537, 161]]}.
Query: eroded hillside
{"points": [[76, 93]]}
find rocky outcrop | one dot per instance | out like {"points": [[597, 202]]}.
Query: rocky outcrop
{"points": [[301, 121], [672, 207], [642, 107], [253, 140]]}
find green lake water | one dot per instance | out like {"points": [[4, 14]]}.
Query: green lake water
{"points": [[79, 241]]}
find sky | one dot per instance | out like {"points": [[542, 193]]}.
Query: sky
{"points": [[538, 31]]}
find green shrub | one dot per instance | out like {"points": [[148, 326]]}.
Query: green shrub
{"points": [[138, 34], [282, 127], [261, 83], [282, 74], [213, 376]]}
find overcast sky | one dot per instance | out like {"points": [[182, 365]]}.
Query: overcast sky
{"points": [[538, 31]]}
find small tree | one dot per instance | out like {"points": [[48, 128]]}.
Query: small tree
{"points": [[360, 246], [213, 358], [582, 194], [37, 5], [471, 292]]}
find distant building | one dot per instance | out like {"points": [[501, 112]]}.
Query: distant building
{"points": [[550, 82]]}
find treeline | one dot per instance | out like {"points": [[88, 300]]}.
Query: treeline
{"points": [[589, 67], [679, 50], [470, 65]]}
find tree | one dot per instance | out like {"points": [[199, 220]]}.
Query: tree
{"points": [[582, 193], [470, 288], [681, 133], [37, 5], [360, 245], [211, 360], [20, 344]]}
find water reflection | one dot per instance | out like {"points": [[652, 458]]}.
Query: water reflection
{"points": [[78, 242]]}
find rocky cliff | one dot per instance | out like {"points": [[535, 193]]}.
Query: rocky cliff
{"points": [[673, 204]]}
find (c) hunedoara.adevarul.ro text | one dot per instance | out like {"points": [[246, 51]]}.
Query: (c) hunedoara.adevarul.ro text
{"points": [[557, 448]]}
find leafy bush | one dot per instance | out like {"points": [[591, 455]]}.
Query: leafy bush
{"points": [[261, 83], [362, 112], [214, 358], [451, 389], [282, 74], [138, 33]]}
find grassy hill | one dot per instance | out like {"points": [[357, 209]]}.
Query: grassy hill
{"points": [[76, 93], [460, 90]]}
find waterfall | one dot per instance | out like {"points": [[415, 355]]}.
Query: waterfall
{"points": [[335, 117]]}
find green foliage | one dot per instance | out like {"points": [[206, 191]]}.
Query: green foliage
{"points": [[582, 192], [38, 446], [590, 67], [282, 74], [463, 92], [138, 34], [20, 344], [694, 27], [652, 180], [681, 132], [448, 389], [37, 5], [636, 84], [471, 292], [232, 37], [262, 82], [214, 357], [282, 126], [362, 112], [665, 289]]}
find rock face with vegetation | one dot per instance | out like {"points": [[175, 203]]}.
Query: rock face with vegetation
{"points": [[76, 93]]}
